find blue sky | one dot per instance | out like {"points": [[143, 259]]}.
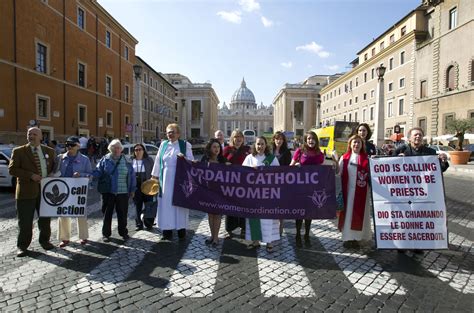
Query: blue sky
{"points": [[269, 42]]}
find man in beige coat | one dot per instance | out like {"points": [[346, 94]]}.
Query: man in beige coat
{"points": [[30, 163]]}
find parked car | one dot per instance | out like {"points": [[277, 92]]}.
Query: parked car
{"points": [[442, 149], [152, 150], [470, 147], [6, 180]]}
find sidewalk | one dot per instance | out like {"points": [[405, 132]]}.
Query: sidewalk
{"points": [[464, 170]]}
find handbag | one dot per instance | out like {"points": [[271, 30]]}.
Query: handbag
{"points": [[104, 184], [340, 201]]}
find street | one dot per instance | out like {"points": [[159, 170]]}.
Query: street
{"points": [[148, 274]]}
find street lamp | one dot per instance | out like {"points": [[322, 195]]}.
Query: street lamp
{"points": [[380, 108], [137, 107]]}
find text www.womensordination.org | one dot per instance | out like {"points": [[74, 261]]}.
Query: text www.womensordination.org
{"points": [[235, 208]]}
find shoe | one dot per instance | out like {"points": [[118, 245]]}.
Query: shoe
{"points": [[208, 241], [48, 246], [299, 243], [182, 233], [83, 241], [418, 251], [401, 251], [21, 253], [214, 244], [253, 245], [229, 236], [269, 248], [139, 228], [149, 228], [307, 242], [347, 244], [125, 237], [106, 239], [63, 243]]}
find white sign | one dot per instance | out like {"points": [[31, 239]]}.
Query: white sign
{"points": [[62, 196], [409, 205]]}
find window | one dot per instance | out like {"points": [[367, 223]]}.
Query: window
{"points": [[41, 58], [366, 57], [450, 78], [453, 18], [422, 124], [423, 89], [373, 51], [145, 78], [401, 103], [401, 83], [350, 117], [392, 38], [42, 107], [389, 109], [472, 72], [364, 97], [145, 104], [356, 99], [350, 101], [127, 119], [151, 81], [382, 45], [82, 114], [151, 105], [357, 81], [195, 110], [372, 73], [390, 64], [350, 85], [364, 115], [372, 93], [109, 118], [125, 53], [127, 93], [80, 18], [402, 57], [355, 116], [403, 31], [390, 87], [108, 86], [107, 38], [81, 74], [372, 113], [447, 118], [365, 77]]}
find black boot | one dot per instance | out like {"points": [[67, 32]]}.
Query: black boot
{"points": [[167, 234], [182, 233], [307, 229], [299, 243]]}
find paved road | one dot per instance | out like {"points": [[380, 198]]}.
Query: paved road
{"points": [[148, 274]]}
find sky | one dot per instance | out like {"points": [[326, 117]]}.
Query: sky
{"points": [[267, 42]]}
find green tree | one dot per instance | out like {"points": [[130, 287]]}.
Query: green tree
{"points": [[459, 127]]}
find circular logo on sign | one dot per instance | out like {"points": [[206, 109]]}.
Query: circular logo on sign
{"points": [[55, 192]]}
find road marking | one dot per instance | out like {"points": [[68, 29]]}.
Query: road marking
{"points": [[111, 273], [366, 276], [196, 273], [281, 275]]}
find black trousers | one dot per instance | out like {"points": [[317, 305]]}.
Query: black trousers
{"points": [[139, 199], [119, 203], [25, 211], [232, 222]]}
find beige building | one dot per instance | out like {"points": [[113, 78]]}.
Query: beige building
{"points": [[353, 96], [426, 81], [297, 105], [197, 107], [156, 106], [244, 113], [444, 79]]}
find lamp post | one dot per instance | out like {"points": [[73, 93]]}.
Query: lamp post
{"points": [[137, 107], [380, 109]]}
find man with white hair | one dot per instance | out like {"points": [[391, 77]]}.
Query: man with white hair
{"points": [[219, 135]]}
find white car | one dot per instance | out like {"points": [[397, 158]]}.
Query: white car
{"points": [[6, 180], [442, 149], [152, 150]]}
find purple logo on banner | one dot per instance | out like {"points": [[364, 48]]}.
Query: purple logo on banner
{"points": [[270, 192]]}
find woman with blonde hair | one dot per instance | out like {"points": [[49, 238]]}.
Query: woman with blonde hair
{"points": [[235, 153]]}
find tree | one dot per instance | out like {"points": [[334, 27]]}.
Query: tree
{"points": [[459, 127]]}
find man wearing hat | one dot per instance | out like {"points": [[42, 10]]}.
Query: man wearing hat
{"points": [[29, 164], [73, 164]]}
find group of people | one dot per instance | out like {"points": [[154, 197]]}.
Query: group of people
{"points": [[33, 161]]}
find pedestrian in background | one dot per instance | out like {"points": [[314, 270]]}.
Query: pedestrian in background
{"points": [[119, 185], [235, 153], [171, 217], [73, 164], [29, 164], [354, 220], [265, 230], [363, 130], [213, 154], [142, 165], [308, 154]]}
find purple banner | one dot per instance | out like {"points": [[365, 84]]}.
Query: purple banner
{"points": [[270, 192]]}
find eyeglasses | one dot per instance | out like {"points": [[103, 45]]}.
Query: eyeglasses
{"points": [[138, 149], [70, 145], [171, 132]]}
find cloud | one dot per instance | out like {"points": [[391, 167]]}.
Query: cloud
{"points": [[232, 17], [314, 48], [287, 64], [334, 67], [266, 22], [249, 5]]}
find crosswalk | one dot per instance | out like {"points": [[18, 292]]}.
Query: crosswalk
{"points": [[279, 274]]}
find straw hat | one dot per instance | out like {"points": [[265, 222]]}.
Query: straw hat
{"points": [[150, 187]]}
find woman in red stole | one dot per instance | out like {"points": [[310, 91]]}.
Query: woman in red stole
{"points": [[354, 221]]}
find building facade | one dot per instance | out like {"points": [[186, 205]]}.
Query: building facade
{"points": [[244, 113], [297, 106], [444, 79], [155, 105], [197, 107], [65, 66]]}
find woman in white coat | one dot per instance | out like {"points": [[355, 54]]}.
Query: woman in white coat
{"points": [[171, 217], [266, 230]]}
